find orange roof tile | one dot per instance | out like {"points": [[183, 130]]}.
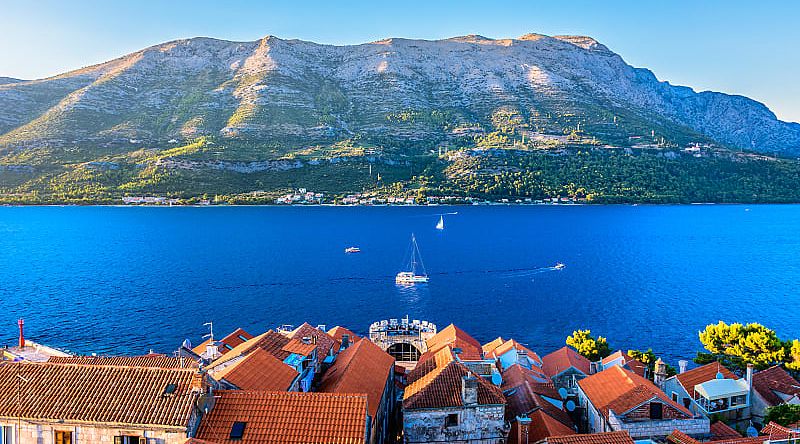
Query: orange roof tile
{"points": [[338, 332], [98, 394], [524, 399], [702, 374], [621, 437], [562, 359], [286, 418], [774, 430], [441, 386], [232, 340], [151, 360], [489, 347], [517, 374], [544, 426], [512, 344], [768, 383], [678, 437], [361, 368], [456, 338], [621, 390], [271, 341], [325, 343], [258, 370], [299, 347], [720, 430]]}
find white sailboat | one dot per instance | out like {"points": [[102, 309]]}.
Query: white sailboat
{"points": [[440, 225], [411, 277]]}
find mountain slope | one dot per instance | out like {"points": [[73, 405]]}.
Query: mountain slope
{"points": [[202, 115]]}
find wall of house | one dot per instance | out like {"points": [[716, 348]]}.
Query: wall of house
{"points": [[380, 424], [479, 424], [643, 412], [696, 427], [565, 379], [671, 385], [44, 433]]}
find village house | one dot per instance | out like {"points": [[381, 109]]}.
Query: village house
{"points": [[364, 368], [622, 359], [49, 403], [446, 401], [326, 345], [511, 352], [771, 387], [468, 350], [211, 348], [618, 399], [565, 367], [259, 417], [711, 389], [299, 355], [258, 370], [343, 337]]}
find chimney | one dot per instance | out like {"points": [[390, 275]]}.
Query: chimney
{"points": [[469, 390], [21, 324], [212, 351], [682, 365], [749, 377], [660, 374], [345, 341], [522, 431]]}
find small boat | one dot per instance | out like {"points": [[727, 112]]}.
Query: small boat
{"points": [[559, 266], [411, 276], [440, 225], [349, 250]]}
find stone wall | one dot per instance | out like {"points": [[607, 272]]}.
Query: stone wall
{"points": [[44, 433], [476, 424], [696, 427]]}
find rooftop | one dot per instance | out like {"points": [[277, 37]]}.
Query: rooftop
{"points": [[322, 339], [455, 337], [286, 418], [93, 393], [258, 370], [360, 368], [621, 390], [562, 359], [149, 360], [621, 437], [774, 382], [699, 375]]}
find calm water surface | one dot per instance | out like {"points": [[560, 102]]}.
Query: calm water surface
{"points": [[125, 280]]}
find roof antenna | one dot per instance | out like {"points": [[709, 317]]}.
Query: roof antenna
{"points": [[210, 335]]}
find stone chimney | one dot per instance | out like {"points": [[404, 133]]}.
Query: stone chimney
{"points": [[749, 375], [682, 365], [469, 390], [660, 374], [212, 351], [524, 426], [21, 324]]}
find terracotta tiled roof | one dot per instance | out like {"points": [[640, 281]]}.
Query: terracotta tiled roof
{"points": [[286, 418], [272, 342], [562, 359], [338, 332], [523, 399], [517, 374], [768, 383], [299, 347], [774, 430], [231, 341], [720, 430], [512, 344], [361, 368], [614, 356], [441, 387], [325, 343], [621, 390], [702, 374], [490, 346], [455, 337], [544, 426], [258, 370], [621, 437], [98, 394], [678, 437], [626, 360], [151, 360]]}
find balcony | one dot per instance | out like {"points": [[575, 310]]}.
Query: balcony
{"points": [[721, 395]]}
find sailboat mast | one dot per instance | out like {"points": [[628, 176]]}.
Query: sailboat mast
{"points": [[413, 254]]}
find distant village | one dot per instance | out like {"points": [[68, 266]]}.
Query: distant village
{"points": [[404, 381]]}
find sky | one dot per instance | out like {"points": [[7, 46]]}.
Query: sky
{"points": [[737, 47]]}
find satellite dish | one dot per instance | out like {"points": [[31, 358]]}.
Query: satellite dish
{"points": [[752, 432], [720, 375], [497, 378], [570, 406], [562, 392], [187, 343]]}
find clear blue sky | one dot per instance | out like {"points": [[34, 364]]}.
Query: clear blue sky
{"points": [[738, 47]]}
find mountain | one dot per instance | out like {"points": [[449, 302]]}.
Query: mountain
{"points": [[217, 113], [4, 80]]}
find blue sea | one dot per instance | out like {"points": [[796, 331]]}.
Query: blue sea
{"points": [[127, 280]]}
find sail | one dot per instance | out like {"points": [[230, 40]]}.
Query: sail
{"points": [[440, 225]]}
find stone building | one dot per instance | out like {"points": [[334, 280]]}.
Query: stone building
{"points": [[565, 367], [49, 403], [617, 399], [712, 389], [446, 402], [771, 387]]}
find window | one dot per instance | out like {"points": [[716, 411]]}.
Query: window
{"points": [[170, 389], [228, 346], [656, 410], [242, 338], [451, 420], [129, 439], [6, 435], [62, 437], [739, 400], [237, 430], [687, 402], [674, 397]]}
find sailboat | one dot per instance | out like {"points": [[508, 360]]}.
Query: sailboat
{"points": [[411, 277], [440, 225]]}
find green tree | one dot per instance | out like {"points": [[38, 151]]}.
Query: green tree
{"points": [[743, 344], [783, 414], [589, 347]]}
